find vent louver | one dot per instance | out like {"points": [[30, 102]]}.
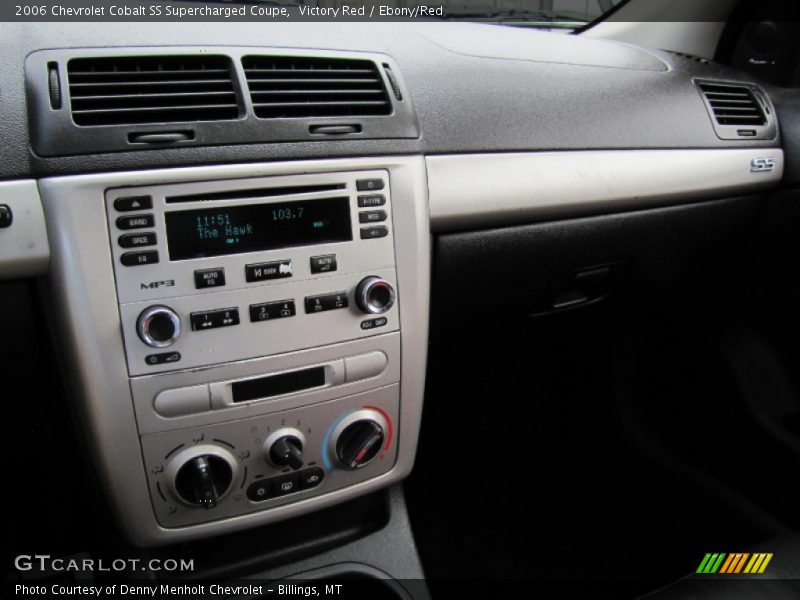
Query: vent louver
{"points": [[292, 87], [733, 104], [151, 89]]}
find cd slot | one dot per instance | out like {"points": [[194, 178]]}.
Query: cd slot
{"points": [[277, 385], [256, 193]]}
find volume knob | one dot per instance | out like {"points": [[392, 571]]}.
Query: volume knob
{"points": [[158, 326]]}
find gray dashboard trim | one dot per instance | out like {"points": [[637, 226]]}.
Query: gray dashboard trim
{"points": [[481, 190], [24, 251], [464, 104], [82, 297]]}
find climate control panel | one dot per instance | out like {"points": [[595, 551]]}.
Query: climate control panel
{"points": [[202, 474]]}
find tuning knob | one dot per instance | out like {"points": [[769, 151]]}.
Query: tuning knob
{"points": [[375, 295], [202, 475], [359, 438], [284, 448], [158, 326]]}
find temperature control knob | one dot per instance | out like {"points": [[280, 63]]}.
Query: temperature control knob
{"points": [[375, 295], [284, 448], [202, 475], [359, 438], [158, 326]]}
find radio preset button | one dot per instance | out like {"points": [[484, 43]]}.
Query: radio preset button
{"points": [[211, 319], [315, 304], [272, 310], [130, 203], [371, 201], [207, 278], [371, 216], [136, 240], [371, 233], [323, 264], [369, 185], [134, 259], [136, 222], [278, 269]]}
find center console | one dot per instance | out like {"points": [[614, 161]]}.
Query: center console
{"points": [[245, 343]]}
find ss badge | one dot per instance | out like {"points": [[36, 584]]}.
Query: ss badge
{"points": [[762, 165]]}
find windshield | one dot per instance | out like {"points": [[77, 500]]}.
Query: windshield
{"points": [[552, 14], [563, 15]]}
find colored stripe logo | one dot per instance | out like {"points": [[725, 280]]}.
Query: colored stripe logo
{"points": [[735, 563]]}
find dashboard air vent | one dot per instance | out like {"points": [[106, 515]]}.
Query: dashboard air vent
{"points": [[733, 104], [151, 89], [291, 87]]}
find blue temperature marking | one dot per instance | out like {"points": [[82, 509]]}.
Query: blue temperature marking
{"points": [[326, 460]]}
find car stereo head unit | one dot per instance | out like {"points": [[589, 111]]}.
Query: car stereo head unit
{"points": [[270, 265]]}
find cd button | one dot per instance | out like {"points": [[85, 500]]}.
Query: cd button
{"points": [[371, 233], [369, 185], [323, 264], [136, 222], [136, 240], [209, 278], [371, 216], [134, 259], [133, 203], [278, 269]]}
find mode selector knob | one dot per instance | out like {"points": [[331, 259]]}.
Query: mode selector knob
{"points": [[202, 475], [284, 448], [158, 326], [375, 295]]}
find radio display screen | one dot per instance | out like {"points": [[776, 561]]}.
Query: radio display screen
{"points": [[255, 227]]}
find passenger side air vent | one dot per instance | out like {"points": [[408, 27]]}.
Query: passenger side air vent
{"points": [[738, 110], [151, 89], [292, 87], [733, 105]]}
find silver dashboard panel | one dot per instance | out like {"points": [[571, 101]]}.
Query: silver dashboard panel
{"points": [[83, 300], [484, 190]]}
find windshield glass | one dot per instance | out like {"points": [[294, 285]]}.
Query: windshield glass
{"points": [[561, 15], [548, 14]]}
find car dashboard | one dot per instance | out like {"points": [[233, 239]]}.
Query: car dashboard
{"points": [[245, 238]]}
